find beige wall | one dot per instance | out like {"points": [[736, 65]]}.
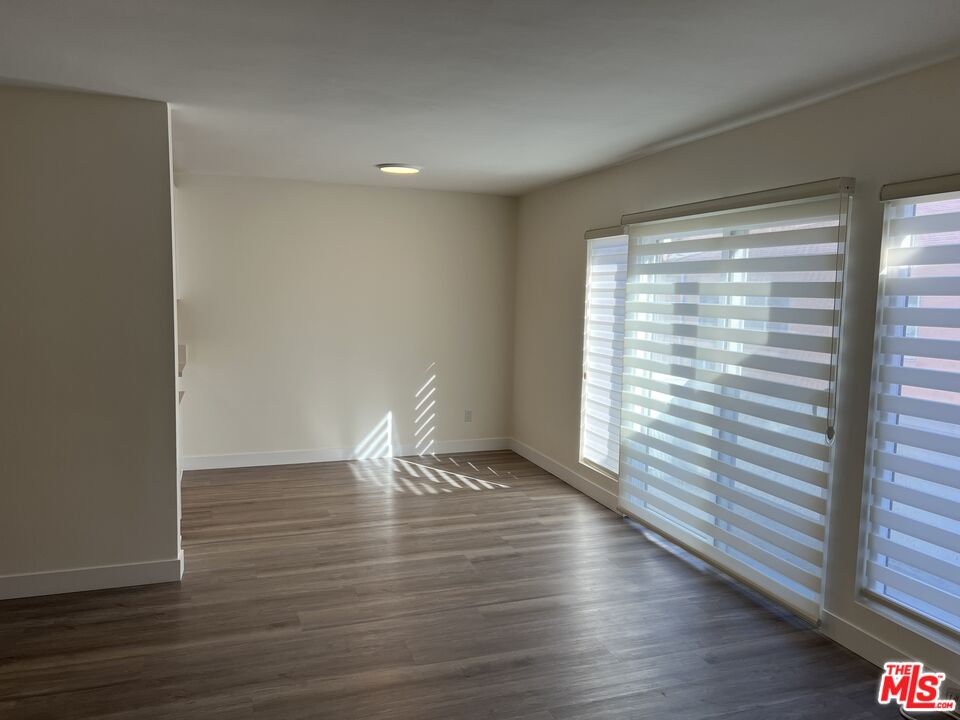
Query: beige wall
{"points": [[87, 436], [900, 129], [310, 311]]}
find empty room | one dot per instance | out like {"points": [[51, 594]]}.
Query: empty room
{"points": [[471, 359]]}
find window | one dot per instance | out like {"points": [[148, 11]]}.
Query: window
{"points": [[603, 350], [912, 553], [730, 346]]}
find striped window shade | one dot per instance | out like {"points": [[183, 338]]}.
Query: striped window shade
{"points": [[731, 334], [603, 349], [912, 556]]}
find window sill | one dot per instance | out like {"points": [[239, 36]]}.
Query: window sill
{"points": [[909, 619], [600, 470]]}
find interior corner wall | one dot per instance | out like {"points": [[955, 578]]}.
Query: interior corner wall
{"points": [[315, 313], [87, 435], [899, 129]]}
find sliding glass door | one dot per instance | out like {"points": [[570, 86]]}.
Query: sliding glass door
{"points": [[730, 348]]}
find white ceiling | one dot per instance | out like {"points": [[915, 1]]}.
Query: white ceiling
{"points": [[488, 95]]}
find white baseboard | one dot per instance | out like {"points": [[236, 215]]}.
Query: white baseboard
{"points": [[297, 457], [102, 577], [877, 651], [588, 487], [859, 641]]}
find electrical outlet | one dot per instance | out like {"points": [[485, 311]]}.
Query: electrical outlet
{"points": [[468, 415]]}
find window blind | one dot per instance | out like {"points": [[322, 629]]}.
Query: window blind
{"points": [[730, 346], [912, 555], [603, 349]]}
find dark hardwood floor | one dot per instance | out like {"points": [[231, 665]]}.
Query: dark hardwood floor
{"points": [[480, 587]]}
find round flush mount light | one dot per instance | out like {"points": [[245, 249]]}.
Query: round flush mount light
{"points": [[398, 169]]}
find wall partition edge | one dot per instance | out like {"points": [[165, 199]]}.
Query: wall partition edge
{"points": [[733, 516]]}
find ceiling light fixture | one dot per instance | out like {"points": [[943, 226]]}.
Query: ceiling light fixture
{"points": [[398, 169]]}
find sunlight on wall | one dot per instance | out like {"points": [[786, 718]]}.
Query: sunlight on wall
{"points": [[424, 475], [379, 442], [424, 411]]}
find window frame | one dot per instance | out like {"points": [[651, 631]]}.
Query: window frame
{"points": [[591, 237], [903, 614]]}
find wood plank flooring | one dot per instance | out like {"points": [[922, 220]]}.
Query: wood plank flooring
{"points": [[467, 586]]}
